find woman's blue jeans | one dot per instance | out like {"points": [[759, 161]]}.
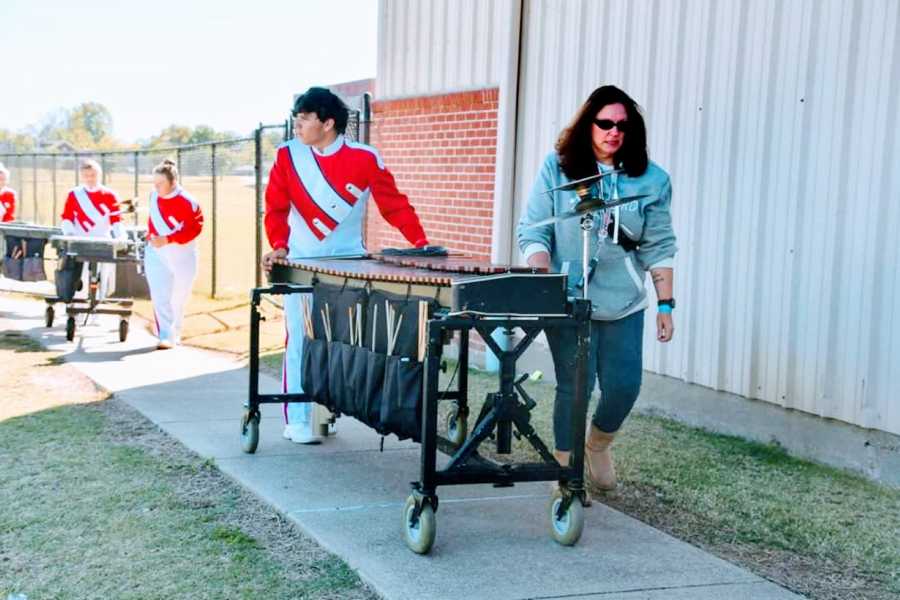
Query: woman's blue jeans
{"points": [[615, 362]]}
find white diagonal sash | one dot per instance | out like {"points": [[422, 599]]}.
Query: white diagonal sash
{"points": [[318, 188], [159, 223], [88, 208]]}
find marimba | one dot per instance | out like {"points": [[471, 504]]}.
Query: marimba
{"points": [[376, 332]]}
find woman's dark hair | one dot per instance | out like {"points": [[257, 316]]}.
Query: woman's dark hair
{"points": [[325, 104], [574, 146], [168, 169]]}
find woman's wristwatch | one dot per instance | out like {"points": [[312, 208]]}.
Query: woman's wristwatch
{"points": [[666, 305]]}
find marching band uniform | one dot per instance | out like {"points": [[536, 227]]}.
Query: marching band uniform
{"points": [[315, 207], [7, 205], [171, 269], [94, 212]]}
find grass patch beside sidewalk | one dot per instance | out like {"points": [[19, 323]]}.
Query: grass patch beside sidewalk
{"points": [[819, 531], [96, 502]]}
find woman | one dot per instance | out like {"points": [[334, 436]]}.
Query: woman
{"points": [[92, 210], [170, 260], [7, 197], [607, 135]]}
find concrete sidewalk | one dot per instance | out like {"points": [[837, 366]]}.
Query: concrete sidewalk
{"points": [[348, 496]]}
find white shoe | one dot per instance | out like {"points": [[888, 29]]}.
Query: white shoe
{"points": [[301, 434], [286, 434]]}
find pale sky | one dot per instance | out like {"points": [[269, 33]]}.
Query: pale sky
{"points": [[228, 64]]}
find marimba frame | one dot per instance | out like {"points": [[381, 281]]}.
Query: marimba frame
{"points": [[503, 413]]}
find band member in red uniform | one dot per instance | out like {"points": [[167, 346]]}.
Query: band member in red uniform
{"points": [[92, 210], [170, 260], [315, 207], [7, 197]]}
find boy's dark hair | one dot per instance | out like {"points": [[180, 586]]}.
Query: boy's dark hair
{"points": [[326, 104], [574, 146]]}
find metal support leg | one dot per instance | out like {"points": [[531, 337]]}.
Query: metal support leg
{"points": [[428, 483], [579, 408], [252, 403]]}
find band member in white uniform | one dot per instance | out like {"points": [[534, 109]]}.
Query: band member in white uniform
{"points": [[170, 260], [92, 210], [315, 207]]}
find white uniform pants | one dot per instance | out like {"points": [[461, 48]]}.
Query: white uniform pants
{"points": [[171, 271], [305, 416]]}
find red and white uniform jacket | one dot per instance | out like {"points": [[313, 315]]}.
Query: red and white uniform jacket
{"points": [[176, 216], [315, 200], [7, 205], [92, 212]]}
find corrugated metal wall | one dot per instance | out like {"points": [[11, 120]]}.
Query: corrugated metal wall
{"points": [[433, 46], [778, 122]]}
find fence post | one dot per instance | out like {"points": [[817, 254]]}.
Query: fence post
{"points": [[21, 186], [103, 168], [257, 163], [214, 214], [53, 175], [75, 163], [34, 184], [366, 120], [136, 192], [178, 162]]}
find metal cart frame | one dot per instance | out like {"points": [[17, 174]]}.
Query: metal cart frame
{"points": [[506, 413]]}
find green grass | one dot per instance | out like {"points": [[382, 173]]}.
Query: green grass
{"points": [[95, 502], [821, 531]]}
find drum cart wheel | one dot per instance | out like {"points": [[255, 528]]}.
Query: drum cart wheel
{"points": [[250, 431], [457, 426], [566, 517], [419, 529]]}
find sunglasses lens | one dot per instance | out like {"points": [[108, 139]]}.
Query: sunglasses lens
{"points": [[607, 124]]}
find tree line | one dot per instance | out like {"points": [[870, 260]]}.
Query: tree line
{"points": [[89, 126]]}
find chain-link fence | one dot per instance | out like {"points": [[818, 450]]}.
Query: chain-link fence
{"points": [[227, 178]]}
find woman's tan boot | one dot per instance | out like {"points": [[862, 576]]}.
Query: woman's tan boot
{"points": [[598, 462], [562, 457]]}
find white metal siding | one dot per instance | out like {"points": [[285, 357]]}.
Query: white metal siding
{"points": [[778, 122], [427, 47]]}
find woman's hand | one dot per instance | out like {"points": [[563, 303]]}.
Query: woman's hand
{"points": [[159, 241], [539, 260], [268, 259], [665, 328]]}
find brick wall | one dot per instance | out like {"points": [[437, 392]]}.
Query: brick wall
{"points": [[442, 151]]}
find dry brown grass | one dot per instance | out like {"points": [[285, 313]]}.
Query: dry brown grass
{"points": [[97, 502]]}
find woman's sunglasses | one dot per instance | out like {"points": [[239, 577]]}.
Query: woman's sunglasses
{"points": [[607, 124]]}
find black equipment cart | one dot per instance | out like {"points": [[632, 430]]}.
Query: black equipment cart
{"points": [[366, 355], [73, 253]]}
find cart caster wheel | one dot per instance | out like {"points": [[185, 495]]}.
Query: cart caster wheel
{"points": [[49, 315], [419, 537], [70, 329], [123, 330], [457, 427], [567, 529], [249, 432]]}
